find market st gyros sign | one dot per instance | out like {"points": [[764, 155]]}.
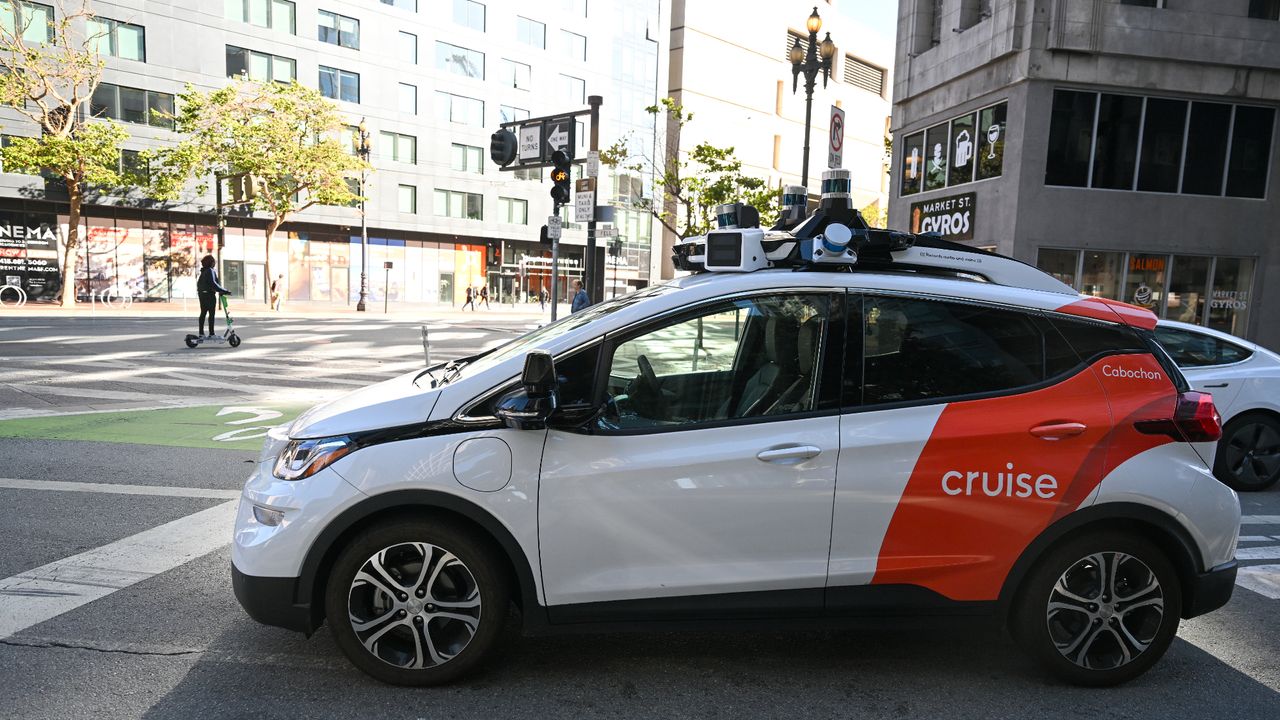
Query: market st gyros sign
{"points": [[951, 217]]}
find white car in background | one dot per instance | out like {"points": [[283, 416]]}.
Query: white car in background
{"points": [[1245, 381]]}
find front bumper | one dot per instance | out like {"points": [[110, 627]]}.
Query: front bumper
{"points": [[1210, 590], [272, 601]]}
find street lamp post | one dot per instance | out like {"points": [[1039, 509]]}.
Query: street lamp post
{"points": [[810, 62], [363, 148]]}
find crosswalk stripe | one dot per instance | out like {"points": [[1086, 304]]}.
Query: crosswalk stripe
{"points": [[1260, 520], [41, 594], [117, 489], [1262, 579]]}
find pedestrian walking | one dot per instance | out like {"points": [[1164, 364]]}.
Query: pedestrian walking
{"points": [[277, 292], [208, 289], [470, 300], [542, 297], [580, 299], [484, 296]]}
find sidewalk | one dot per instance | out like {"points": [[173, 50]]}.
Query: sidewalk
{"points": [[298, 309]]}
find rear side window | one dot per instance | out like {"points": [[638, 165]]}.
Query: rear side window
{"points": [[918, 350], [1093, 340], [1193, 349]]}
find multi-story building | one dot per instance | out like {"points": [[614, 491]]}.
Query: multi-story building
{"points": [[1126, 146], [730, 68], [431, 80]]}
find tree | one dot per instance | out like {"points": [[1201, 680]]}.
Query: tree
{"points": [[285, 137], [48, 72], [692, 184]]}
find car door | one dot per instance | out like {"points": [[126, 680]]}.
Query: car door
{"points": [[706, 482], [967, 429]]}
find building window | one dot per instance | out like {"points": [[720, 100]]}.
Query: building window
{"points": [[408, 99], [1070, 138], [145, 107], [937, 157], [528, 174], [573, 90], [408, 199], [458, 109], [1143, 3], [1250, 151], [967, 148], [467, 158], [574, 8], [118, 39], [460, 60], [575, 45], [912, 164], [410, 5], [963, 146], [862, 75], [973, 12], [1264, 9], [259, 67], [1206, 154], [408, 47], [531, 32], [469, 13], [338, 30], [339, 84], [1163, 131], [1119, 121], [463, 205], [513, 211], [35, 20], [275, 14], [4, 142], [507, 114], [515, 74], [133, 168], [927, 31], [398, 147]]}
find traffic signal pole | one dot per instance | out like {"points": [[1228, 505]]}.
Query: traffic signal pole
{"points": [[555, 268], [594, 281]]}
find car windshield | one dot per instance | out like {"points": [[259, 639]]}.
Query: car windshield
{"points": [[545, 334]]}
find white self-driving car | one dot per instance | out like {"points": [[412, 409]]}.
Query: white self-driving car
{"points": [[1245, 381], [821, 422]]}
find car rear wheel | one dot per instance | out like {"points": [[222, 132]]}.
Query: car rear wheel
{"points": [[1099, 609], [416, 602], [1248, 456]]}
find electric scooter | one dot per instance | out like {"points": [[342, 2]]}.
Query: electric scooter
{"points": [[229, 336]]}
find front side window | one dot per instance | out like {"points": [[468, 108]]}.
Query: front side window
{"points": [[926, 350], [1193, 349], [747, 358]]}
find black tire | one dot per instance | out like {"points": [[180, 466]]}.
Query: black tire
{"points": [[1248, 457], [233, 340], [191, 341], [1094, 650], [450, 648]]}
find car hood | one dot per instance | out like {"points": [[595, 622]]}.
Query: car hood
{"points": [[390, 403]]}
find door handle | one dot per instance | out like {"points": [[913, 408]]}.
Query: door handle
{"points": [[791, 452], [1217, 385], [1058, 430]]}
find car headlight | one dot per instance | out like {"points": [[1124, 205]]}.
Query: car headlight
{"points": [[304, 458]]}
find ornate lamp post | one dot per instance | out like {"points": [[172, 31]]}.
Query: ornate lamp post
{"points": [[363, 148], [809, 63]]}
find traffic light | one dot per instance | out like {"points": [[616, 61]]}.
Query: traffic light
{"points": [[560, 177], [543, 236], [502, 147]]}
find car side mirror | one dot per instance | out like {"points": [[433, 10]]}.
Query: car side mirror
{"points": [[529, 407]]}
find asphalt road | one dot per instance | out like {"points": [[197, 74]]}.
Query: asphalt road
{"points": [[174, 642]]}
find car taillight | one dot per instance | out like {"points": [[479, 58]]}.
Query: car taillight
{"points": [[1195, 419]]}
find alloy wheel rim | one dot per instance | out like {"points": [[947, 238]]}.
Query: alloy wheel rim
{"points": [[1253, 454], [414, 605], [1105, 610]]}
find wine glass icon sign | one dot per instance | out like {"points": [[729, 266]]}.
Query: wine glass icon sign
{"points": [[993, 134]]}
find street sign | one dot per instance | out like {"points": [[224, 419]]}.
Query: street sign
{"points": [[530, 142], [606, 231], [584, 206], [553, 227], [835, 156], [593, 163], [557, 135]]}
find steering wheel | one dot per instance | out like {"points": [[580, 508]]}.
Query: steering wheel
{"points": [[645, 394], [647, 373]]}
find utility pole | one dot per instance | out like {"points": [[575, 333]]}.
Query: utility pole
{"points": [[594, 281]]}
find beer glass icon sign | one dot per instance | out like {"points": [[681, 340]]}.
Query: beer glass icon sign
{"points": [[964, 148], [993, 134]]}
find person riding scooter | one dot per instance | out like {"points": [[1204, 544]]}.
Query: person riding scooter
{"points": [[208, 288]]}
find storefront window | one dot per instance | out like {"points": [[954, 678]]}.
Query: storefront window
{"points": [[1062, 264], [1100, 276], [1229, 303], [1188, 280], [936, 150], [1144, 285]]}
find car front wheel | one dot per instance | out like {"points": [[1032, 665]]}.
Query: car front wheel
{"points": [[1099, 609], [416, 602], [1248, 457]]}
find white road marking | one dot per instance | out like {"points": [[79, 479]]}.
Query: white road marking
{"points": [[1262, 579], [115, 489], [1254, 538], [1260, 520], [34, 596], [1265, 552]]}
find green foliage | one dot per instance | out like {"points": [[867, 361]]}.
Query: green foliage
{"points": [[694, 183], [89, 154], [874, 216], [285, 136]]}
